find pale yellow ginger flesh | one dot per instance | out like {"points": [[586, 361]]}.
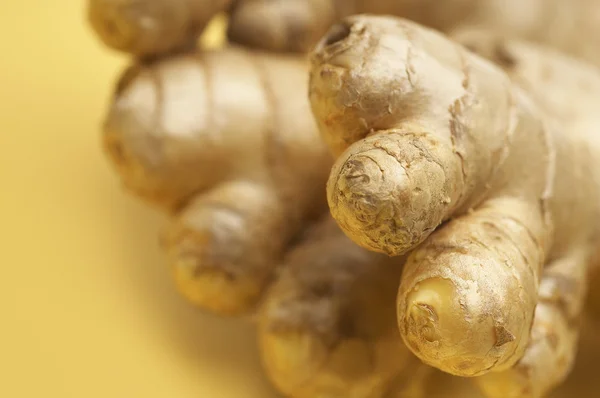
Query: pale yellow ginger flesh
{"points": [[327, 326], [216, 140], [151, 27], [440, 151], [572, 26]]}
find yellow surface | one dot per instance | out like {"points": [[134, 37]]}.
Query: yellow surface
{"points": [[86, 306]]}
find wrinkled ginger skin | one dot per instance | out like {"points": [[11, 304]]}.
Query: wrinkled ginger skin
{"points": [[327, 326], [553, 80], [456, 302], [215, 140], [424, 147], [147, 28], [437, 147]]}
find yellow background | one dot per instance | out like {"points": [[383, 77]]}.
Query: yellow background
{"points": [[86, 305]]}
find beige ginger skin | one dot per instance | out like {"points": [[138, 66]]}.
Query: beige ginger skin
{"points": [[581, 383], [215, 140], [296, 25], [146, 28], [439, 151], [327, 327], [553, 81], [206, 137]]}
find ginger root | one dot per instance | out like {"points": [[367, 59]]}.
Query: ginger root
{"points": [[327, 325], [215, 139], [147, 28], [495, 191], [572, 26], [552, 80], [296, 25]]}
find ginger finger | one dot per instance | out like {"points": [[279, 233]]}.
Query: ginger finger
{"points": [[553, 80], [223, 246], [433, 147], [456, 302], [428, 132], [569, 26], [281, 25], [151, 27], [216, 140], [327, 327], [551, 351], [296, 25], [572, 26]]}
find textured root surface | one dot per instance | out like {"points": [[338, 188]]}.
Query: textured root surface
{"points": [[327, 327]]}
